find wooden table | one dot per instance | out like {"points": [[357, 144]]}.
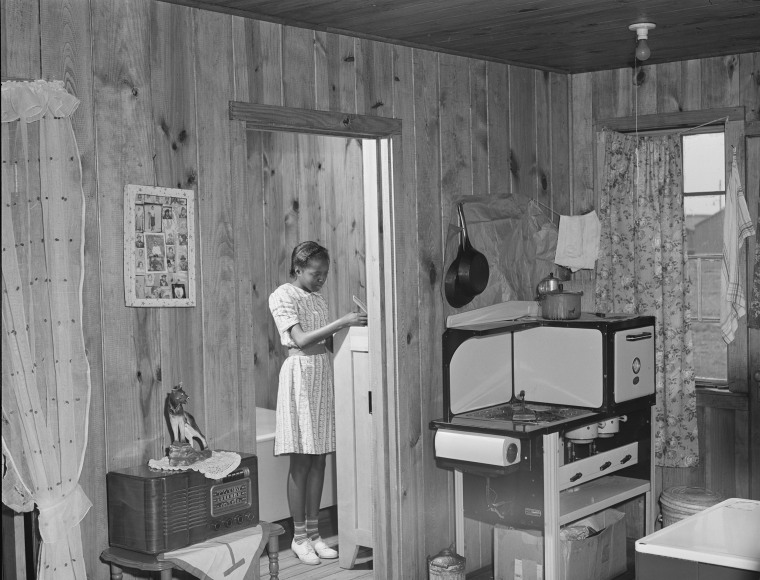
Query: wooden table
{"points": [[120, 559]]}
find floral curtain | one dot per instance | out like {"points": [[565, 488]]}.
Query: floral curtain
{"points": [[45, 374], [642, 269]]}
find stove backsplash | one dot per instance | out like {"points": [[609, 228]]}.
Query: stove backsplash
{"points": [[592, 362]]}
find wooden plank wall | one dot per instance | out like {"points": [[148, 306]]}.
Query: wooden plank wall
{"points": [[154, 80], [728, 81]]}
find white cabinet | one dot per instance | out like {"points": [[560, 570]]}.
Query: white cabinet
{"points": [[354, 457]]}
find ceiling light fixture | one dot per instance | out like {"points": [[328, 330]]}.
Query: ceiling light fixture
{"points": [[642, 31]]}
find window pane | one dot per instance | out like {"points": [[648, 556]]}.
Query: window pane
{"points": [[704, 223], [711, 288], [709, 351], [704, 164]]}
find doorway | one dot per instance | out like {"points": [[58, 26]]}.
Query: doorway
{"points": [[376, 143]]}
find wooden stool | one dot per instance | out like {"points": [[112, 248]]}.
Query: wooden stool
{"points": [[120, 559]]}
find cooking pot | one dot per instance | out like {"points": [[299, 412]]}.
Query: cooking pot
{"points": [[561, 305], [584, 434], [609, 427]]}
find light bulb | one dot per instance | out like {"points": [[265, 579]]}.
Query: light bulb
{"points": [[642, 33], [642, 50]]}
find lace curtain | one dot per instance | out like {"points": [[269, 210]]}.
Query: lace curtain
{"points": [[46, 377], [641, 269]]}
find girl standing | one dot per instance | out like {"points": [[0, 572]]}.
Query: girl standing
{"points": [[305, 416]]}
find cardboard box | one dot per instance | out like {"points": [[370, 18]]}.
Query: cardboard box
{"points": [[519, 554]]}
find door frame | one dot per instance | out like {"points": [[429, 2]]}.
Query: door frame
{"points": [[381, 265], [752, 194]]}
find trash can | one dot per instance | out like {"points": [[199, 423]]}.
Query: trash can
{"points": [[677, 503]]}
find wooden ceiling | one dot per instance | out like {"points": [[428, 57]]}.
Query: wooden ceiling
{"points": [[569, 36]]}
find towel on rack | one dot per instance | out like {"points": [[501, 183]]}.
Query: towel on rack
{"points": [[578, 241], [737, 226]]}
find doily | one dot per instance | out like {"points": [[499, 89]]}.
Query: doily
{"points": [[219, 465]]}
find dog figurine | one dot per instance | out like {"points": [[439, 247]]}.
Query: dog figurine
{"points": [[183, 425]]}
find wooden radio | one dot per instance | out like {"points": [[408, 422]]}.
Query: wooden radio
{"points": [[152, 511]]}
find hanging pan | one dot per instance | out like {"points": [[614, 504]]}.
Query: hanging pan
{"points": [[467, 275]]}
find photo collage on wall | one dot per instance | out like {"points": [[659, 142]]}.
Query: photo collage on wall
{"points": [[159, 272]]}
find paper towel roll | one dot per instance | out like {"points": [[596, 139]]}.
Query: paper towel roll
{"points": [[476, 447]]}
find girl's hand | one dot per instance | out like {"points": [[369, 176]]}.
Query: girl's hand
{"points": [[354, 319]]}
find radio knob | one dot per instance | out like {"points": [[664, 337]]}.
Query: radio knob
{"points": [[214, 526], [228, 523], [248, 516], [239, 518], [511, 453]]}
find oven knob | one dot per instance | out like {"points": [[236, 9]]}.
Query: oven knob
{"points": [[636, 366], [511, 453]]}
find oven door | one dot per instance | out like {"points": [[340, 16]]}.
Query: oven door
{"points": [[634, 363]]}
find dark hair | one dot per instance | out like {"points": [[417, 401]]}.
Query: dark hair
{"points": [[304, 252]]}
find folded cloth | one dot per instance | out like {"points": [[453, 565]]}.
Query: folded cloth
{"points": [[578, 241], [234, 556], [737, 226]]}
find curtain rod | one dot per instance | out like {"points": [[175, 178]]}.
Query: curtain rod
{"points": [[723, 119]]}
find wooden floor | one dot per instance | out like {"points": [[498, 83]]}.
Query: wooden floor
{"points": [[291, 566]]}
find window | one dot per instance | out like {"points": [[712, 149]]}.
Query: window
{"points": [[704, 175]]}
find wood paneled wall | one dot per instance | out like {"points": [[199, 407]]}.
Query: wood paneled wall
{"points": [[154, 80], [729, 81]]}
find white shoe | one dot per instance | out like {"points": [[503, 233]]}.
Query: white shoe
{"points": [[323, 550], [305, 552]]}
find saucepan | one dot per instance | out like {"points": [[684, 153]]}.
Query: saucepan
{"points": [[584, 434], [609, 427]]}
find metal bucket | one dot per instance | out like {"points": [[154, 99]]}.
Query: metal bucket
{"points": [[446, 565]]}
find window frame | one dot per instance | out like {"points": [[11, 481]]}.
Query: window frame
{"points": [[696, 314], [731, 121]]}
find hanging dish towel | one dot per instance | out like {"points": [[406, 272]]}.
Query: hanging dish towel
{"points": [[578, 241], [737, 226], [234, 556]]}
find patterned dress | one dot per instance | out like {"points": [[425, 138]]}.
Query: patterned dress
{"points": [[305, 416]]}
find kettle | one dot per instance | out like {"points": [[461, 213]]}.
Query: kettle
{"points": [[548, 285]]}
